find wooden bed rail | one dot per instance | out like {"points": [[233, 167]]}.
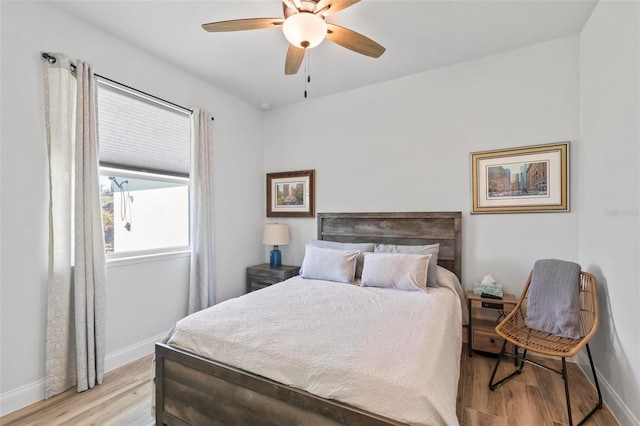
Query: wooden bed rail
{"points": [[192, 390]]}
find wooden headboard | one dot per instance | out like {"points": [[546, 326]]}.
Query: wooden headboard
{"points": [[444, 228]]}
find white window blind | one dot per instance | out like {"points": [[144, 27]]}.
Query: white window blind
{"points": [[140, 133]]}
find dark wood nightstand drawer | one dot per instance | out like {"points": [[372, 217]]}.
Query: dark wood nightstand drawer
{"points": [[261, 276], [257, 281]]}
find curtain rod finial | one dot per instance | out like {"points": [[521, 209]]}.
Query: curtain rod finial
{"points": [[49, 58]]}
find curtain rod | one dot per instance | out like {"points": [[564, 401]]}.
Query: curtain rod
{"points": [[52, 60]]}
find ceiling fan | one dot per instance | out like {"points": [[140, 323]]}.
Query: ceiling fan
{"points": [[305, 26]]}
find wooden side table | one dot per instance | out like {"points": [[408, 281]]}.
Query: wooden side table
{"points": [[261, 276], [484, 315]]}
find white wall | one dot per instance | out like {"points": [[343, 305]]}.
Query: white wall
{"points": [[609, 208], [405, 145], [143, 299]]}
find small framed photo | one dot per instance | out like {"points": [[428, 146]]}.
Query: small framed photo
{"points": [[525, 179], [291, 194]]}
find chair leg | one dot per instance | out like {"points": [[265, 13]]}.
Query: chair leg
{"points": [[492, 385], [565, 378], [495, 367], [595, 379], [566, 389], [524, 356]]}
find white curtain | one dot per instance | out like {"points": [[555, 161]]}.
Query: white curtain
{"points": [[76, 286], [202, 274]]}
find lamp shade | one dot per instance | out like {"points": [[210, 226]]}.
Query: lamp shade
{"points": [[304, 29], [275, 234]]}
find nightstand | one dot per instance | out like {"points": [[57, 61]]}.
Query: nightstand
{"points": [[261, 276], [484, 314]]}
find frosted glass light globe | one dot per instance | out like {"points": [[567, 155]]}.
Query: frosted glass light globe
{"points": [[305, 29]]}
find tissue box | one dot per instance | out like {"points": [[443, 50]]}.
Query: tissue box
{"points": [[492, 289]]}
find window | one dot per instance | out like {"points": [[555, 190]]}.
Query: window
{"points": [[143, 211], [144, 172]]}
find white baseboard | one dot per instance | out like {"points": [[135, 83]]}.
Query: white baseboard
{"points": [[21, 397], [131, 353], [31, 393], [618, 408]]}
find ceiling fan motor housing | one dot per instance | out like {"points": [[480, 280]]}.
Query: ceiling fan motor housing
{"points": [[305, 6]]}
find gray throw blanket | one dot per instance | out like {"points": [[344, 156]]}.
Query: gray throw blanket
{"points": [[554, 298]]}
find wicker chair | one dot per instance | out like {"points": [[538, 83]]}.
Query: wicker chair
{"points": [[514, 330]]}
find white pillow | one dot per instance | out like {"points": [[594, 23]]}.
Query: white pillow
{"points": [[328, 264], [334, 245], [395, 270], [432, 249]]}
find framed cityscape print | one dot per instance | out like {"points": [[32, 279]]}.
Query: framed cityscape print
{"points": [[291, 194], [526, 179]]}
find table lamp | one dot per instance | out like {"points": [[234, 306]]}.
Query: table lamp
{"points": [[275, 234]]}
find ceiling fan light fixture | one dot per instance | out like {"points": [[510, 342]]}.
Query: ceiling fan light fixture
{"points": [[305, 29]]}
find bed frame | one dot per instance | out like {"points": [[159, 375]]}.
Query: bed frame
{"points": [[192, 390]]}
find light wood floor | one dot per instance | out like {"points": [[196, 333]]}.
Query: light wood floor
{"points": [[536, 397]]}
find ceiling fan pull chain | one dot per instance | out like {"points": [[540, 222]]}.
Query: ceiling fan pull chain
{"points": [[306, 72], [308, 67]]}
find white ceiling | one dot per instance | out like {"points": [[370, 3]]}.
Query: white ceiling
{"points": [[418, 36]]}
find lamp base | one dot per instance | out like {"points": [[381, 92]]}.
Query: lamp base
{"points": [[275, 259]]}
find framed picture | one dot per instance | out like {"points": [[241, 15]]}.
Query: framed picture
{"points": [[526, 179], [291, 194]]}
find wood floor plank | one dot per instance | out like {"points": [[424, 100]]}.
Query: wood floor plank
{"points": [[525, 402], [476, 391], [533, 398], [123, 408], [473, 417]]}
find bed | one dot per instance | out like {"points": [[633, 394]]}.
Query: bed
{"points": [[256, 386]]}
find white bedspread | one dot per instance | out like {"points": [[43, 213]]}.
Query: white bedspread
{"points": [[394, 353]]}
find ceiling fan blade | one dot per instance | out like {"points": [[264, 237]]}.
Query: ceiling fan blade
{"points": [[243, 24], [295, 55], [354, 41], [333, 6]]}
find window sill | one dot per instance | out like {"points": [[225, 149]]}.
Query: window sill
{"points": [[145, 258]]}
